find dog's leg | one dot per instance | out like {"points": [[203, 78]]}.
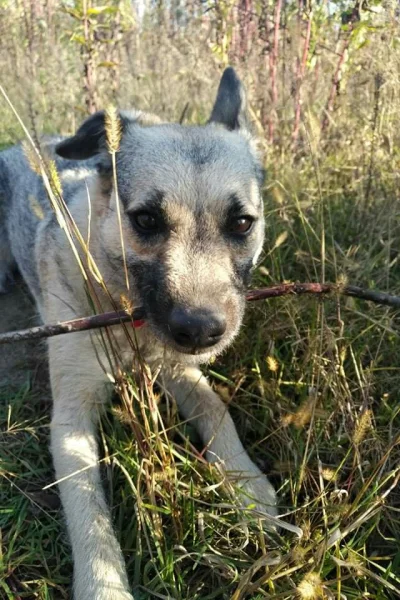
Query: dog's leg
{"points": [[78, 387], [198, 403]]}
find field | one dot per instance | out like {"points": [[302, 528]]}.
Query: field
{"points": [[313, 385]]}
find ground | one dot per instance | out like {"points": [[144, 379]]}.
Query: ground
{"points": [[313, 388]]}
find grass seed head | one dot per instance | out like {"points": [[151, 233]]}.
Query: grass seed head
{"points": [[304, 413], [113, 129], [31, 157], [272, 364], [364, 425], [328, 474], [55, 181], [310, 588], [126, 304]]}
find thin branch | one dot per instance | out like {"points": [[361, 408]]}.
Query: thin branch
{"points": [[377, 297], [137, 316], [83, 324], [273, 63], [321, 289], [301, 69]]}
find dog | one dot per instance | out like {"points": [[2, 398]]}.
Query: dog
{"points": [[191, 220]]}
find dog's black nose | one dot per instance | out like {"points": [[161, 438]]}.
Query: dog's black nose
{"points": [[196, 328]]}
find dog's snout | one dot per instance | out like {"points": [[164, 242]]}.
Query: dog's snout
{"points": [[196, 328]]}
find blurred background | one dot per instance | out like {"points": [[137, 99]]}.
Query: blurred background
{"points": [[321, 73]]}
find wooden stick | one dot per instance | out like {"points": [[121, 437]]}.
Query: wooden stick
{"points": [[94, 322], [321, 289], [136, 318]]}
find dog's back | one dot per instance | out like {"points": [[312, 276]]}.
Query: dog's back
{"points": [[25, 207]]}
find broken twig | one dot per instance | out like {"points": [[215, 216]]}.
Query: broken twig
{"points": [[94, 322], [137, 316]]}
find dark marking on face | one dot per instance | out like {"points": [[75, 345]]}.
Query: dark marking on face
{"points": [[260, 174], [153, 202], [149, 220], [235, 208], [152, 289], [243, 274], [201, 154]]}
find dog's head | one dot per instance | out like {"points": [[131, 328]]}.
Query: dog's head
{"points": [[192, 218]]}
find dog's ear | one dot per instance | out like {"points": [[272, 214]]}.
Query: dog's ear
{"points": [[90, 139], [230, 108]]}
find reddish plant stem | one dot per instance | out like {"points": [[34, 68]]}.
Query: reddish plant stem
{"points": [[244, 18], [89, 68], [138, 314], [265, 36], [273, 64], [301, 69], [334, 91], [284, 289], [321, 289]]}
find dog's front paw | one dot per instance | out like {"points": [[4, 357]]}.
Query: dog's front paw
{"points": [[252, 486], [106, 591]]}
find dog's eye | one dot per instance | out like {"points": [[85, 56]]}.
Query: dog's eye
{"points": [[146, 222], [241, 225]]}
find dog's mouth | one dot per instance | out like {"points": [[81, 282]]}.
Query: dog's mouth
{"points": [[198, 353], [197, 332], [209, 349], [196, 350]]}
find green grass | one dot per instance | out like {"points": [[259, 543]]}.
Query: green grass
{"points": [[33, 546], [313, 387]]}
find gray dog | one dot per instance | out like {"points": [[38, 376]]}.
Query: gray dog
{"points": [[192, 225]]}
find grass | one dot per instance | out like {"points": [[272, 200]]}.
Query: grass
{"points": [[313, 389], [313, 385]]}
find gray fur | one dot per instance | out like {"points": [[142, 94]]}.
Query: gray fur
{"points": [[22, 200], [195, 181]]}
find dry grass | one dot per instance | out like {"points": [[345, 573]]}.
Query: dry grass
{"points": [[313, 386]]}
